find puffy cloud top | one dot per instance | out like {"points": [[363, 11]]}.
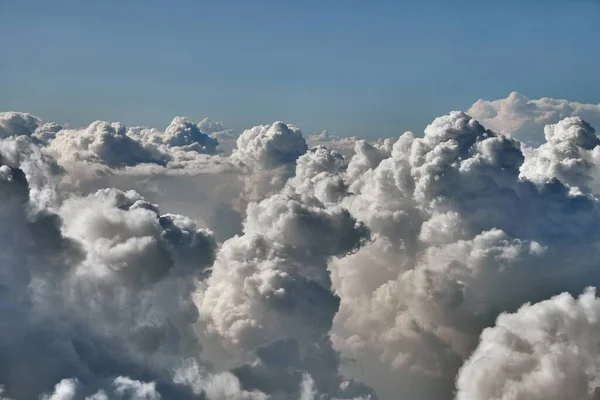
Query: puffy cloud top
{"points": [[573, 130], [183, 133], [548, 350], [266, 284], [384, 267], [18, 124], [102, 142], [571, 154], [270, 146], [525, 118]]}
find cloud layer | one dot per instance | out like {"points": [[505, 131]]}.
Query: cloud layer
{"points": [[397, 272], [525, 118]]}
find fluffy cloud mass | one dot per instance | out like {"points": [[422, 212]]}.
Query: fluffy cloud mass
{"points": [[548, 350], [139, 263], [525, 118]]}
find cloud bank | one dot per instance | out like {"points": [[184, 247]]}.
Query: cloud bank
{"points": [[525, 118], [443, 265]]}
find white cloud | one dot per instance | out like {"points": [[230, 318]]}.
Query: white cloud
{"points": [[525, 118], [18, 124], [219, 386], [547, 350], [385, 266], [180, 133], [136, 390], [343, 145], [269, 154], [102, 142], [571, 154]]}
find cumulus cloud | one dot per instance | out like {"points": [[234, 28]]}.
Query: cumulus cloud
{"points": [[64, 390], [216, 129], [318, 176], [326, 268], [525, 118], [270, 293], [180, 133], [548, 350], [102, 142], [99, 286], [344, 145], [269, 153], [122, 388], [219, 386], [18, 124], [455, 240], [104, 150], [108, 293], [270, 146], [571, 154], [270, 282]]}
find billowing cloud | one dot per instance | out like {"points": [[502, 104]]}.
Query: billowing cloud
{"points": [[268, 283], [98, 287], [216, 129], [571, 154], [327, 268], [318, 176], [181, 133], [269, 153], [455, 240], [18, 124], [525, 118], [107, 296], [343, 145], [548, 350], [267, 147], [102, 142]]}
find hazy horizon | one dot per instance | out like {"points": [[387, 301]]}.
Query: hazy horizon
{"points": [[353, 68]]}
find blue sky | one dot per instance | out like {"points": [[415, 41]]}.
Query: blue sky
{"points": [[366, 68]]}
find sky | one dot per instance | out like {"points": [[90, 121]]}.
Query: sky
{"points": [[361, 68], [172, 263]]}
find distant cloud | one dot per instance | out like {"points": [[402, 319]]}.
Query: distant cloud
{"points": [[525, 118], [344, 145]]}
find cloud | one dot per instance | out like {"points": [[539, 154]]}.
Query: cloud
{"points": [[269, 154], [101, 285], [64, 390], [107, 295], [136, 389], [525, 118], [571, 154], [18, 124], [455, 235], [318, 176], [270, 146], [216, 129], [547, 350], [324, 270], [102, 142], [122, 388], [270, 294], [344, 145], [270, 282], [220, 386], [180, 133]]}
